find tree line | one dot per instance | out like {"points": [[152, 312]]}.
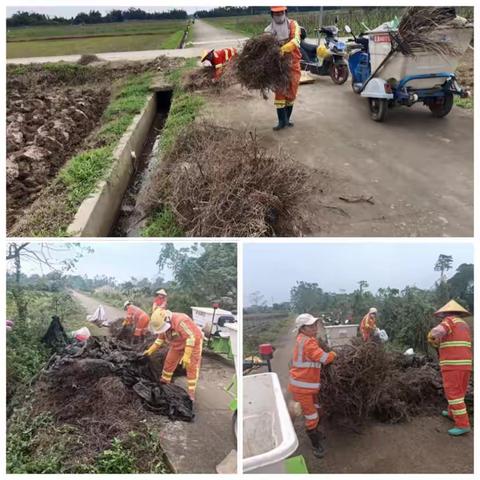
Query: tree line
{"points": [[240, 11], [29, 19]]}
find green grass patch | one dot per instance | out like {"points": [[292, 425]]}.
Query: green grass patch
{"points": [[173, 41], [466, 103], [163, 224]]}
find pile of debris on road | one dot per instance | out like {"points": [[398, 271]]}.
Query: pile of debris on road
{"points": [[202, 78], [368, 382], [219, 182]]}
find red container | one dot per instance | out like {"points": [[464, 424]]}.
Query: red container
{"points": [[265, 350]]}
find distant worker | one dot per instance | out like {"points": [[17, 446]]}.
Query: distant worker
{"points": [[453, 339], [185, 341], [218, 59], [304, 384], [136, 317], [287, 33], [368, 325], [160, 300]]}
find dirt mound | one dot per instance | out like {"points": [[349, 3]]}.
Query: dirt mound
{"points": [[87, 59], [465, 70], [78, 368], [202, 78], [44, 128], [220, 182], [366, 382]]}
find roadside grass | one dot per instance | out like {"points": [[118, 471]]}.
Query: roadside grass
{"points": [[184, 108], [466, 103], [173, 41]]}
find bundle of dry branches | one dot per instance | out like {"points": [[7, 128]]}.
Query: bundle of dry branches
{"points": [[417, 31], [219, 182], [366, 381], [261, 66], [202, 78]]}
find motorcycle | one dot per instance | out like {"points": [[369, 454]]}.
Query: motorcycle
{"points": [[333, 63]]}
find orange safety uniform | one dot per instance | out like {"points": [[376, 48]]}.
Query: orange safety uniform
{"points": [[304, 383], [367, 326], [139, 319], [455, 354], [287, 98], [220, 59], [184, 333], [160, 301]]}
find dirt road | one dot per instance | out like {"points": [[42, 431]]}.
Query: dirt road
{"points": [[203, 33], [199, 446], [403, 448], [417, 169]]}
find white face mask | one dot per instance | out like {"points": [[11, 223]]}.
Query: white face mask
{"points": [[279, 19]]}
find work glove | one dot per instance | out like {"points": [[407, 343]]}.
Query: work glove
{"points": [[187, 356], [287, 48], [432, 340], [331, 357], [153, 348], [282, 53], [125, 322]]}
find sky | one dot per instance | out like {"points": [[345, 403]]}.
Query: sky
{"points": [[68, 12], [115, 259], [273, 269]]}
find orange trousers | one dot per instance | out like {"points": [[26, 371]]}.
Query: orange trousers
{"points": [[310, 407], [141, 326], [455, 384], [172, 360], [287, 98]]}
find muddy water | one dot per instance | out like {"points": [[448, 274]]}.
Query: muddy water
{"points": [[126, 222]]}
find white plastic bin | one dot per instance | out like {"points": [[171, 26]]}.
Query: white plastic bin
{"points": [[232, 332], [399, 65], [340, 334], [268, 434]]}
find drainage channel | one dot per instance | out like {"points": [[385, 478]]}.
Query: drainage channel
{"points": [[126, 223]]}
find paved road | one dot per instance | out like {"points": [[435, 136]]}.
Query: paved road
{"points": [[403, 448], [418, 169], [204, 36], [200, 446]]}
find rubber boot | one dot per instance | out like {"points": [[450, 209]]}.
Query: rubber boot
{"points": [[456, 432], [289, 110], [445, 414], [317, 447], [282, 119]]}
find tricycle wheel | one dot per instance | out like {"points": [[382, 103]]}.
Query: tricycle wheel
{"points": [[378, 108], [234, 425], [442, 108], [339, 73]]}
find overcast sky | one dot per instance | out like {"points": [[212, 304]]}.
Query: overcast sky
{"points": [[114, 259], [68, 12], [274, 268]]}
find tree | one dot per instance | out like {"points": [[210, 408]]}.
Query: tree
{"points": [[257, 299], [444, 263], [461, 285]]}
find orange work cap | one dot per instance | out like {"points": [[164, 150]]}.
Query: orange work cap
{"points": [[278, 9]]}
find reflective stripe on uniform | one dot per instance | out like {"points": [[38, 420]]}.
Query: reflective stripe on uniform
{"points": [[324, 357], [298, 383], [458, 320], [457, 343], [463, 411], [159, 341], [456, 401], [299, 363], [455, 362], [219, 65], [312, 416], [167, 374], [316, 405]]}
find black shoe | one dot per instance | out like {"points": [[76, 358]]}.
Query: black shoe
{"points": [[282, 119], [317, 447], [289, 110]]}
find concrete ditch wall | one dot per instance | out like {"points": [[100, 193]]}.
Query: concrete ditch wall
{"points": [[98, 213]]}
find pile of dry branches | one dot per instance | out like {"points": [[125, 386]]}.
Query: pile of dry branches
{"points": [[202, 78], [261, 66], [366, 381], [218, 182], [417, 31]]}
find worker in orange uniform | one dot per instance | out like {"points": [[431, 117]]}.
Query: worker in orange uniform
{"points": [[218, 59], [287, 33], [136, 317], [453, 339], [304, 383], [368, 325], [160, 301], [185, 342]]}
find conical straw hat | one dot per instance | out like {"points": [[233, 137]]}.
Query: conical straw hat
{"points": [[452, 307]]}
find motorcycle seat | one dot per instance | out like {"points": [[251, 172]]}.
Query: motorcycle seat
{"points": [[310, 48], [330, 30]]}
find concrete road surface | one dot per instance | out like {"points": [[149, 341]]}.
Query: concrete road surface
{"points": [[196, 447], [417, 169], [403, 448], [204, 36]]}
